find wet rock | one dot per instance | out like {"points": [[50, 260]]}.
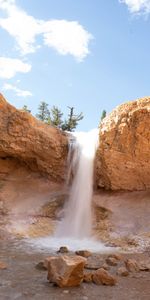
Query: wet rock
{"points": [[132, 265], [111, 261], [66, 271], [101, 276], [88, 277], [84, 253], [122, 271], [3, 266], [63, 249]]}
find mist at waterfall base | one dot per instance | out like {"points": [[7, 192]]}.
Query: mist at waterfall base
{"points": [[75, 228]]}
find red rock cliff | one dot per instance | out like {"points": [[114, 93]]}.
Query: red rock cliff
{"points": [[123, 158], [43, 148]]}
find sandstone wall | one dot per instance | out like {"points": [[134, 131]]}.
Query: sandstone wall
{"points": [[43, 148], [123, 158]]}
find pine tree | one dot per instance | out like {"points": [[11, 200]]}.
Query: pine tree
{"points": [[56, 117], [44, 113], [103, 114], [71, 123], [25, 108]]}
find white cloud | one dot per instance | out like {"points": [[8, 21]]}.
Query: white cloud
{"points": [[21, 26], [66, 37], [10, 66], [19, 92], [137, 6]]}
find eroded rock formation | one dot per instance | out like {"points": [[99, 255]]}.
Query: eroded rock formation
{"points": [[41, 147], [123, 158]]}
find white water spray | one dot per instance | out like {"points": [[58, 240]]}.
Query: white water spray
{"points": [[77, 221]]}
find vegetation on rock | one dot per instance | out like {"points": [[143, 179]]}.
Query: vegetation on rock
{"points": [[54, 116]]}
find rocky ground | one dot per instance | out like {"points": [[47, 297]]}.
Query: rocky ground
{"points": [[22, 279]]}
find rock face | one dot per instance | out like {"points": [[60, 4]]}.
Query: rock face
{"points": [[41, 147], [66, 271], [123, 158]]}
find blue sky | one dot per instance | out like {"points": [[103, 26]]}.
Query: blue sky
{"points": [[92, 55]]}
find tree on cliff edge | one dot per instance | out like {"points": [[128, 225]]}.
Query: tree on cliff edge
{"points": [[43, 113], [103, 114], [25, 108], [71, 123], [56, 116]]}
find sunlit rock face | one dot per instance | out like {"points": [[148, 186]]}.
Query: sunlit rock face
{"points": [[41, 147], [123, 157]]}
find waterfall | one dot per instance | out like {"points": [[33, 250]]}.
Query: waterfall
{"points": [[77, 220]]}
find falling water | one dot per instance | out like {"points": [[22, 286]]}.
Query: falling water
{"points": [[77, 221]]}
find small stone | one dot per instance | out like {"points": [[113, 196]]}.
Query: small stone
{"points": [[63, 249], [101, 276], [144, 266], [87, 277], [105, 267], [116, 256], [3, 266], [66, 271], [66, 292], [111, 261], [85, 298], [132, 265], [122, 271], [84, 253], [41, 266]]}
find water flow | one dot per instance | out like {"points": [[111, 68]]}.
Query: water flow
{"points": [[77, 221]]}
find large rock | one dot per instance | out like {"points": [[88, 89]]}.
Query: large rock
{"points": [[41, 147], [66, 271], [123, 157]]}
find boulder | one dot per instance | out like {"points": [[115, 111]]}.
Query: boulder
{"points": [[101, 276], [41, 147], [66, 271], [123, 157], [132, 265]]}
